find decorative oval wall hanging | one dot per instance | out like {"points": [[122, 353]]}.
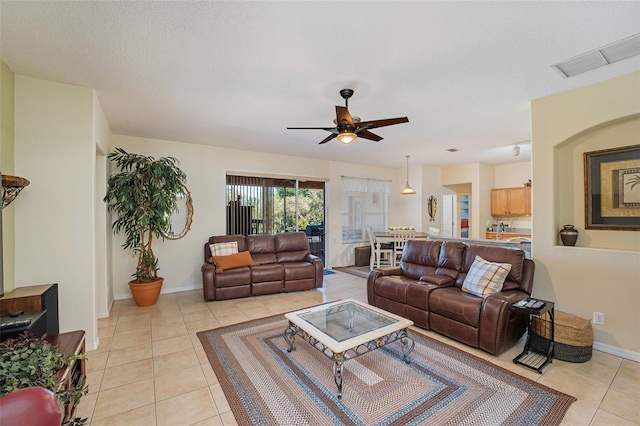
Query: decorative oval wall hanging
{"points": [[432, 206]]}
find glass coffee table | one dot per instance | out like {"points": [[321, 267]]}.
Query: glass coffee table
{"points": [[346, 329]]}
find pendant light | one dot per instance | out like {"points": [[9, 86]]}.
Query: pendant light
{"points": [[407, 190]]}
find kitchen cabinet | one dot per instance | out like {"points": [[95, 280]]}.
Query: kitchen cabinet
{"points": [[505, 235], [511, 201]]}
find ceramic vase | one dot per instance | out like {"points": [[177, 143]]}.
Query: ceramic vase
{"points": [[569, 235]]}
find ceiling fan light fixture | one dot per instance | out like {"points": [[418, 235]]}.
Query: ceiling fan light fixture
{"points": [[407, 190], [347, 137]]}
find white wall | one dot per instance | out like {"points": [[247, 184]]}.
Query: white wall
{"points": [[206, 167], [512, 175], [585, 278], [481, 178], [54, 226], [6, 167], [102, 138], [406, 210], [430, 186]]}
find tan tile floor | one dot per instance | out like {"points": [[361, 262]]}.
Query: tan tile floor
{"points": [[150, 368]]}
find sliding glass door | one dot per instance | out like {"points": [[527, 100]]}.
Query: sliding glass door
{"points": [[262, 205]]}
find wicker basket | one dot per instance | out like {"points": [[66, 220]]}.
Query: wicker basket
{"points": [[573, 336]]}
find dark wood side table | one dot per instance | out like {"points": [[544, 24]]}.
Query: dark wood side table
{"points": [[531, 358], [74, 374]]}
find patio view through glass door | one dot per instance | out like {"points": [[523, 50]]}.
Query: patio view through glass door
{"points": [[262, 205]]}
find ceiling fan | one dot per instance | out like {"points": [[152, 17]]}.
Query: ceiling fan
{"points": [[349, 128]]}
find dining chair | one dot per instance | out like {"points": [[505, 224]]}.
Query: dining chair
{"points": [[399, 240], [381, 253], [433, 232]]}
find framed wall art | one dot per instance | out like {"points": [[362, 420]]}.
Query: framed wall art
{"points": [[612, 189]]}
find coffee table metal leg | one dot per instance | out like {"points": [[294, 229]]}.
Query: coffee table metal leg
{"points": [[290, 336], [407, 346], [337, 376]]}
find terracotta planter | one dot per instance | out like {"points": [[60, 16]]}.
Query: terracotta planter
{"points": [[146, 294]]}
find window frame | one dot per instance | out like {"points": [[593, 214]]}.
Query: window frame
{"points": [[365, 203]]}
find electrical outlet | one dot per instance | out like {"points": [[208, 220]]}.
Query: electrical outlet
{"points": [[598, 318]]}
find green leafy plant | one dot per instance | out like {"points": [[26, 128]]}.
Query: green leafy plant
{"points": [[29, 361], [143, 194], [635, 180]]}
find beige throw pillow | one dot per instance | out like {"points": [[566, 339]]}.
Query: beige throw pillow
{"points": [[224, 249], [485, 278]]}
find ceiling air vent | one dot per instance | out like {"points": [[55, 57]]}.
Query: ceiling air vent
{"points": [[609, 54]]}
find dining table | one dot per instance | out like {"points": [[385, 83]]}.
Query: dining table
{"points": [[387, 236]]}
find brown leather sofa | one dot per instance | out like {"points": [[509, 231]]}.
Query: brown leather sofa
{"points": [[427, 288], [284, 264]]}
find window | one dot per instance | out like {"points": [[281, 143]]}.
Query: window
{"points": [[364, 204], [268, 205]]}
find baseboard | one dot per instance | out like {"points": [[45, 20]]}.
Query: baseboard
{"points": [[613, 350], [102, 315], [163, 291]]}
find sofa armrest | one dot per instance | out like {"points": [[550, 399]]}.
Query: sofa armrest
{"points": [[208, 281], [375, 274], [389, 270], [510, 296], [318, 267], [440, 280], [501, 326]]}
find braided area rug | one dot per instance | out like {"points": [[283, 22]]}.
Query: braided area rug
{"points": [[266, 385]]}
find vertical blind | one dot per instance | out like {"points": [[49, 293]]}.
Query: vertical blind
{"points": [[266, 205], [249, 205]]}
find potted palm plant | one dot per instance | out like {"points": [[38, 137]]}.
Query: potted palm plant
{"points": [[142, 194]]}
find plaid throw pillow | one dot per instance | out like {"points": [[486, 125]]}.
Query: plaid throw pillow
{"points": [[485, 278], [224, 249]]}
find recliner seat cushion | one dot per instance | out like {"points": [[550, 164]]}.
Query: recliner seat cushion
{"points": [[262, 248], [239, 239], [393, 287], [298, 270], [234, 277], [266, 273], [513, 256], [452, 303], [291, 247]]}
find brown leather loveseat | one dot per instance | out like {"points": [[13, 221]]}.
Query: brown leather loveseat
{"points": [[427, 288], [281, 262]]}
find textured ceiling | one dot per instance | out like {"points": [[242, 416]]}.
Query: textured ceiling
{"points": [[236, 74]]}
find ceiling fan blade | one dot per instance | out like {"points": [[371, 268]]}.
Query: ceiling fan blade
{"points": [[342, 115], [328, 129], [382, 123], [365, 134], [327, 139]]}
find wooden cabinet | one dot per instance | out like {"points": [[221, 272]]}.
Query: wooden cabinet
{"points": [[511, 201], [504, 236], [37, 298], [74, 374]]}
